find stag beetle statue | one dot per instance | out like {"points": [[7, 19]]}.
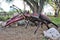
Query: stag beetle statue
{"points": [[37, 21]]}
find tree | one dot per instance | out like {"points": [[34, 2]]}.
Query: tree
{"points": [[35, 5], [56, 5], [57, 9], [40, 4], [57, 2]]}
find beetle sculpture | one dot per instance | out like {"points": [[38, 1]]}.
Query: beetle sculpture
{"points": [[37, 21]]}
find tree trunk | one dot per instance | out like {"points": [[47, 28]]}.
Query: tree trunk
{"points": [[58, 6], [34, 5], [41, 3], [57, 12]]}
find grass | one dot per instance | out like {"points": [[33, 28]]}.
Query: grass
{"points": [[56, 20]]}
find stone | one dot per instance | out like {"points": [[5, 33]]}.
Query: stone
{"points": [[52, 33]]}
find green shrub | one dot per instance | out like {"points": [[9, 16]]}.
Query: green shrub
{"points": [[2, 18]]}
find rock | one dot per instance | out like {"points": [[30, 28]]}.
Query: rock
{"points": [[22, 22], [52, 33], [2, 23]]}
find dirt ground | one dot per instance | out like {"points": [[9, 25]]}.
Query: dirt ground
{"points": [[21, 33]]}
